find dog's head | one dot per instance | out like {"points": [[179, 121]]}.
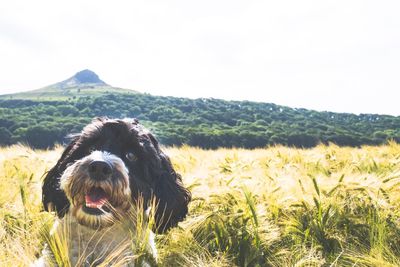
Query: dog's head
{"points": [[110, 165]]}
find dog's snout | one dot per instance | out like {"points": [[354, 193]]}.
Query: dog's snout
{"points": [[99, 170]]}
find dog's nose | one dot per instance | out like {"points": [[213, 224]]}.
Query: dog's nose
{"points": [[99, 170]]}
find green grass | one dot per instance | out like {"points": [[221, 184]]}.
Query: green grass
{"points": [[53, 93], [279, 206]]}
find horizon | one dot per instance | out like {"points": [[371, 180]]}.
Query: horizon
{"points": [[200, 97], [338, 57]]}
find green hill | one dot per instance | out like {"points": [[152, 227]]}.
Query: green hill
{"points": [[82, 84], [46, 116]]}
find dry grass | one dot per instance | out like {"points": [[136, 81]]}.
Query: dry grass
{"points": [[279, 206]]}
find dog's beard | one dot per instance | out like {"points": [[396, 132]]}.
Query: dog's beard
{"points": [[95, 203]]}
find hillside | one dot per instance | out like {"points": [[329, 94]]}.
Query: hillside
{"points": [[84, 83], [42, 118]]}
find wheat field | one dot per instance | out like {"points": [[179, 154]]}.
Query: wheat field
{"points": [[278, 206]]}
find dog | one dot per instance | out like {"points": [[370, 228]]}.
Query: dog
{"points": [[101, 175]]}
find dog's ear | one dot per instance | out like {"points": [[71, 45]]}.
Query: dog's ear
{"points": [[171, 197], [53, 198]]}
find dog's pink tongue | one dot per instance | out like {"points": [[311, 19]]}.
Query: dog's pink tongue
{"points": [[96, 198]]}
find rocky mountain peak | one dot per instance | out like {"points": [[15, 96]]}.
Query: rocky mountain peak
{"points": [[87, 76]]}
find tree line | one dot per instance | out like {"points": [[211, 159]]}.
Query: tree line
{"points": [[206, 123]]}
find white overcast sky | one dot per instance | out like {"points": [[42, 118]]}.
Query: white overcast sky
{"points": [[339, 55]]}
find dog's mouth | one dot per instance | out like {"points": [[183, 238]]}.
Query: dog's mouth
{"points": [[96, 201]]}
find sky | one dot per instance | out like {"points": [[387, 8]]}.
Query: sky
{"points": [[339, 55]]}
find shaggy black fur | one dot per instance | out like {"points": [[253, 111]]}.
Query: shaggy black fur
{"points": [[151, 173]]}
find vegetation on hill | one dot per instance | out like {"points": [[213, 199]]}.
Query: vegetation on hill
{"points": [[206, 123], [84, 83], [59, 92], [326, 206]]}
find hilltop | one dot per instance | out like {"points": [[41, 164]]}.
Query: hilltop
{"points": [[83, 78], [84, 83]]}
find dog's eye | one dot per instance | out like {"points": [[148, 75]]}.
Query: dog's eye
{"points": [[130, 156]]}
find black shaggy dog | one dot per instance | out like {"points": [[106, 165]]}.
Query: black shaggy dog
{"points": [[110, 163]]}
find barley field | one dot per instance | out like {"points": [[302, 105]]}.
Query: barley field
{"points": [[278, 206]]}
